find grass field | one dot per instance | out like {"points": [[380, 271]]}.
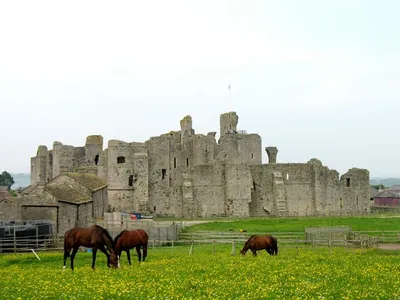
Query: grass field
{"points": [[293, 274], [385, 222]]}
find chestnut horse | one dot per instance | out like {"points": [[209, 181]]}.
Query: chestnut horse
{"points": [[94, 237], [127, 240], [256, 242]]}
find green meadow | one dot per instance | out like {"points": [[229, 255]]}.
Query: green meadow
{"points": [[171, 273]]}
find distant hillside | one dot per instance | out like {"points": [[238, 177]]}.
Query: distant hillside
{"points": [[388, 182], [21, 180]]}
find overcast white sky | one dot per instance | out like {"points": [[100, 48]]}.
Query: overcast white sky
{"points": [[314, 78]]}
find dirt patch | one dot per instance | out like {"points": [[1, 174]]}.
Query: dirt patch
{"points": [[389, 246]]}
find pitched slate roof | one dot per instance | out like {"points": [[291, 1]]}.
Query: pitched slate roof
{"points": [[89, 180], [388, 194], [66, 193]]}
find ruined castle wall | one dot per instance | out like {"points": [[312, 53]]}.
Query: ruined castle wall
{"points": [[333, 194], [93, 147], [239, 184], [240, 149], [208, 190], [38, 166], [228, 123], [102, 166], [49, 166], [63, 158], [160, 173], [299, 184], [249, 148], [35, 170], [298, 187], [262, 196], [355, 191], [204, 149], [127, 175]]}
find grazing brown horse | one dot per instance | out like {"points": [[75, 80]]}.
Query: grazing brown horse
{"points": [[256, 242], [94, 237], [127, 240]]}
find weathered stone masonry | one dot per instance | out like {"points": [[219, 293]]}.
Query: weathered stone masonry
{"points": [[184, 174]]}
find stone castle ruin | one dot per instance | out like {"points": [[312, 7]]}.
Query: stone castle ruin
{"points": [[184, 174]]}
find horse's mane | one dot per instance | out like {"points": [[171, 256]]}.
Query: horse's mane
{"points": [[106, 233], [118, 236]]}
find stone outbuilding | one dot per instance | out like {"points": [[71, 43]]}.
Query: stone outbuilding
{"points": [[69, 200]]}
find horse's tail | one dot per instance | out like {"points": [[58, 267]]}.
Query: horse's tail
{"points": [[67, 254]]}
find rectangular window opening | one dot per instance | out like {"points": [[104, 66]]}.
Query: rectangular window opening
{"points": [[347, 182], [187, 161], [130, 180], [252, 155], [174, 162], [163, 172]]}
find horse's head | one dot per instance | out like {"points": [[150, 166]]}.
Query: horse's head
{"points": [[113, 262], [243, 252]]}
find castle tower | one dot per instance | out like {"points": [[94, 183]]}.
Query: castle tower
{"points": [[228, 123], [272, 152], [38, 166], [186, 127], [93, 150]]}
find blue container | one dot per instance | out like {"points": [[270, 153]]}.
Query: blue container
{"points": [[88, 249]]}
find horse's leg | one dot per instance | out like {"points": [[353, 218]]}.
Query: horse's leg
{"points": [[66, 254], [138, 252], [128, 254], [94, 249], [144, 251], [102, 249], [254, 252], [73, 256]]}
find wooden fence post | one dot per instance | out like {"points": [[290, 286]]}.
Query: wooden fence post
{"points": [[37, 236], [330, 246], [233, 248], [154, 242], [15, 241], [213, 247], [191, 248], [172, 246]]}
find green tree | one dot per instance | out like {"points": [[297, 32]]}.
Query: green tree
{"points": [[6, 179]]}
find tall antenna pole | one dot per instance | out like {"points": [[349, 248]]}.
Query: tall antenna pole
{"points": [[230, 102]]}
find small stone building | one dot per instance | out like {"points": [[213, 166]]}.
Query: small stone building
{"points": [[69, 200]]}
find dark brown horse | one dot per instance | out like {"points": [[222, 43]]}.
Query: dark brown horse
{"points": [[94, 237], [127, 240], [256, 243]]}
